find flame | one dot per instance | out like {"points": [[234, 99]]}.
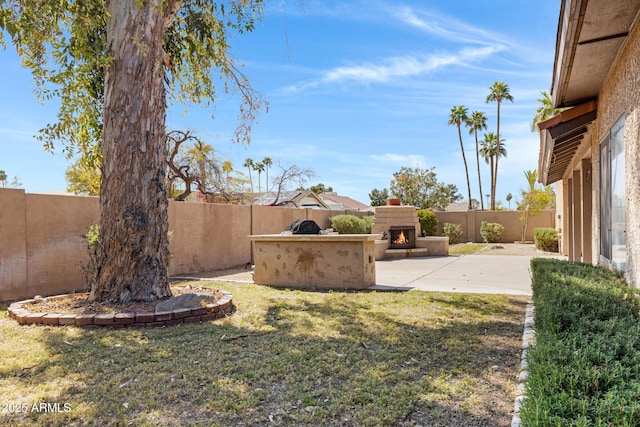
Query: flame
{"points": [[401, 240]]}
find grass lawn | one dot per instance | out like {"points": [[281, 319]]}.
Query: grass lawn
{"points": [[284, 358], [466, 248]]}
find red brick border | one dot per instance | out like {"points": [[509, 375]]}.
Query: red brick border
{"points": [[21, 312]]}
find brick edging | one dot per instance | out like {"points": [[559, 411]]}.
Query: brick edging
{"points": [[20, 312]]}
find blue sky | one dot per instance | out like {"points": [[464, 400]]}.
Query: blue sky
{"points": [[356, 90]]}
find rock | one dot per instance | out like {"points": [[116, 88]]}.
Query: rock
{"points": [[184, 301]]}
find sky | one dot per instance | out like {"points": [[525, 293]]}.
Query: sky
{"points": [[356, 90]]}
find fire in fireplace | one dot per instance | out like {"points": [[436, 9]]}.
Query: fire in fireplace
{"points": [[402, 237]]}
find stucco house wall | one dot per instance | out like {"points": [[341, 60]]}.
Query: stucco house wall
{"points": [[620, 96]]}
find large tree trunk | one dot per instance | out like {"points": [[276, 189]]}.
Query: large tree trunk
{"points": [[134, 246]]}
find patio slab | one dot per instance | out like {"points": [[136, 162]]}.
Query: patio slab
{"points": [[499, 269]]}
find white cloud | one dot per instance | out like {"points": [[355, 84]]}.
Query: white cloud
{"points": [[445, 27], [390, 69], [409, 160]]}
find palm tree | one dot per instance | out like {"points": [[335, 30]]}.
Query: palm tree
{"points": [[499, 91], [248, 163], [227, 167], [477, 121], [545, 110], [260, 168], [267, 162], [200, 154], [509, 197], [457, 117], [532, 177], [488, 148]]}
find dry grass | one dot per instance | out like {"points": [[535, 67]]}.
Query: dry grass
{"points": [[466, 248], [300, 358]]}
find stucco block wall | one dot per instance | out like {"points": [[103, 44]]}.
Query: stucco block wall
{"points": [[42, 248], [41, 243], [205, 237], [472, 220], [55, 246], [13, 243]]}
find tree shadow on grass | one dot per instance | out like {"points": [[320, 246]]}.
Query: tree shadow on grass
{"points": [[329, 359]]}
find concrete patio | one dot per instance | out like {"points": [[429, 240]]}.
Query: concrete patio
{"points": [[501, 268]]}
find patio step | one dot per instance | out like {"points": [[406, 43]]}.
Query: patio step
{"points": [[405, 253]]}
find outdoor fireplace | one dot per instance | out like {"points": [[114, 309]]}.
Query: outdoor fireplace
{"points": [[402, 237]]}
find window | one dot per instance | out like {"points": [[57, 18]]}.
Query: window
{"points": [[613, 240]]}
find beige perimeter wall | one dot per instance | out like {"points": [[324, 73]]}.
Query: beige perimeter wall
{"points": [[42, 249], [472, 220]]}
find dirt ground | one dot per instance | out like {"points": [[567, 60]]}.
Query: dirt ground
{"points": [[509, 249]]}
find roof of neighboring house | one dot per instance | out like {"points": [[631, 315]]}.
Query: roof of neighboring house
{"points": [[299, 199], [346, 202], [457, 207]]}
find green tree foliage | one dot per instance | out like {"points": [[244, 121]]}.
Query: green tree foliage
{"points": [[428, 221], [498, 92], [112, 65], [267, 162], [63, 44], [320, 188], [545, 110], [458, 117], [5, 183], [509, 197], [420, 188], [488, 148], [192, 164], [534, 201], [82, 178], [379, 197], [477, 121]]}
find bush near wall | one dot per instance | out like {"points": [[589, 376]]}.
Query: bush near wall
{"points": [[546, 239], [428, 221], [584, 368], [491, 232], [351, 224], [452, 231]]}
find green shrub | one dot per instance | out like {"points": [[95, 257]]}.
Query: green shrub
{"points": [[584, 368], [452, 231], [91, 239], [350, 224], [428, 221], [367, 220], [546, 239], [491, 232]]}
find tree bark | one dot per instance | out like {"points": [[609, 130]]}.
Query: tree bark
{"points": [[133, 245]]}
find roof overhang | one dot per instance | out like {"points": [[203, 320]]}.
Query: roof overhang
{"points": [[560, 137], [590, 35]]}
